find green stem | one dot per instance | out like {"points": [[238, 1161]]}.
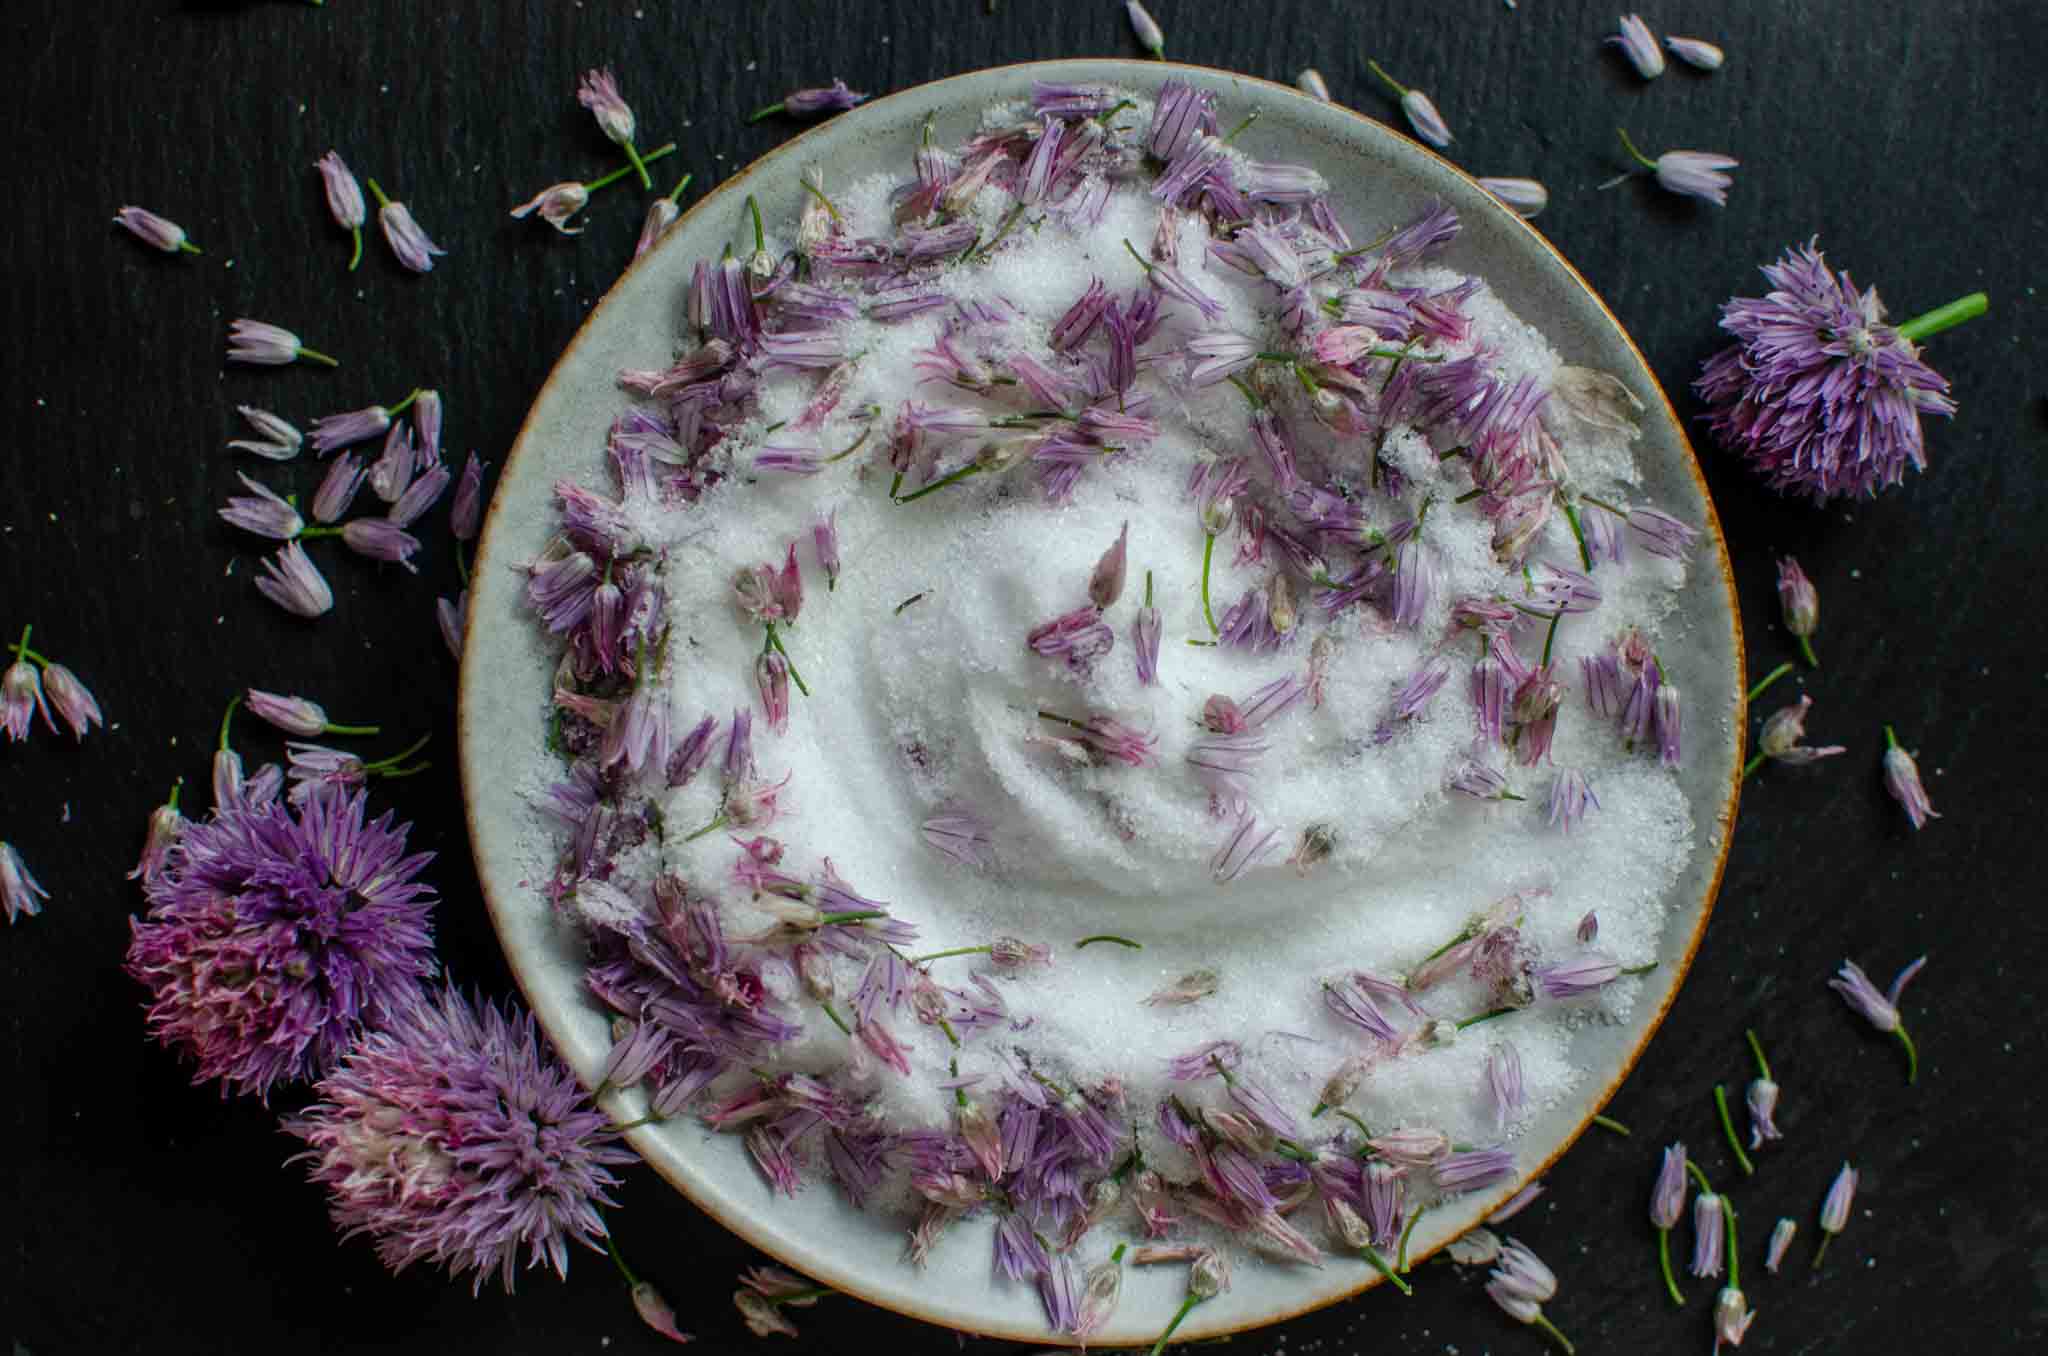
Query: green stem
{"points": [[1257, 401], [315, 531], [1469, 495], [624, 1270], [357, 257], [1379, 1264], [21, 648], [1208, 550], [402, 406], [1571, 515], [1363, 1128], [378, 194], [1109, 937], [640, 163], [1551, 1328], [1609, 1123], [767, 112], [717, 822], [1664, 1260], [176, 787], [1749, 768], [837, 1020], [1401, 1253], [795, 677], [633, 154], [1249, 119], [462, 562], [1148, 588], [189, 248], [1822, 1251], [676, 194], [1486, 1017], [383, 765], [1773, 676], [227, 717], [1637, 155], [851, 916], [807, 186], [1912, 1055], [1945, 317], [1891, 741], [1550, 636], [317, 356], [1734, 1252], [1700, 1177], [348, 729], [941, 483], [956, 951], [1186, 1306], [1756, 1047], [1400, 90], [1728, 1129], [1008, 223], [754, 211], [1806, 649]]}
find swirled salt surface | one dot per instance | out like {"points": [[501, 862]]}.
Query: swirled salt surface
{"points": [[1400, 760]]}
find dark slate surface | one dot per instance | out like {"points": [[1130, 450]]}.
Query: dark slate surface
{"points": [[143, 1214]]}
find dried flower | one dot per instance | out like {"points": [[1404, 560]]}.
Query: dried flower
{"points": [[1818, 393], [1731, 1318], [1242, 848], [280, 441], [1191, 987], [319, 903], [1834, 1211], [1639, 45], [1521, 1284], [1473, 1169], [1422, 113], [152, 229], [291, 581], [1781, 1240], [1800, 602], [1696, 52], [771, 679], [1106, 584], [1902, 780], [1881, 1010], [1311, 83], [20, 893], [1781, 735], [656, 1312], [804, 103], [403, 234], [1589, 927], [344, 200], [1598, 400], [253, 341], [1147, 30], [449, 1136], [1524, 197], [1669, 723], [557, 204]]}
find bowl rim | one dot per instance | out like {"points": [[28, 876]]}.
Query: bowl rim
{"points": [[1719, 839]]}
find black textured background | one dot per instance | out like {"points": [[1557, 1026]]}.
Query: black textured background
{"points": [[142, 1214]]}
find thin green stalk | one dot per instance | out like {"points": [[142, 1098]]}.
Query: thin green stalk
{"points": [[1728, 1129], [1186, 1306], [1752, 765], [383, 766], [1635, 154], [1756, 1047], [941, 483], [1401, 1254], [1002, 230], [1773, 676], [1664, 1261], [1550, 636], [1571, 515], [676, 194], [776, 640], [1379, 1264], [1551, 1328], [1945, 317], [1486, 1017], [717, 822], [1249, 119], [1806, 650], [1400, 90], [227, 717], [402, 406], [1208, 551], [357, 257], [351, 729], [837, 1020], [317, 356], [640, 164], [21, 646], [1108, 937], [1609, 1123], [1734, 1252], [943, 955], [624, 1270]]}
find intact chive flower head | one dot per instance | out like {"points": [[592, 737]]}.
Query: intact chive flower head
{"points": [[1696, 52], [154, 230], [1881, 1010], [1709, 1234], [403, 234], [1639, 45], [1779, 741], [1420, 110], [451, 1137], [557, 204], [71, 699], [1524, 197], [278, 439], [276, 932], [1146, 29], [1817, 392], [292, 582], [1834, 1210], [20, 893], [266, 345], [1902, 780], [1781, 1242]]}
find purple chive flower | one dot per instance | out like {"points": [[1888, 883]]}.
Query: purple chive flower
{"points": [[72, 700], [1521, 1285], [465, 513], [154, 230], [315, 898], [392, 470], [1420, 110], [451, 1137], [263, 513], [344, 200], [1472, 1169], [557, 204], [261, 344], [1639, 45], [1504, 1084], [1782, 733], [1355, 1003], [1881, 1010], [1902, 780], [1800, 602], [1661, 534], [1106, 583], [21, 695], [1524, 197], [338, 488], [1667, 1198], [1694, 174], [1146, 29], [1762, 1099], [825, 536], [805, 103], [333, 431], [1481, 782], [1145, 632], [1696, 52], [1781, 1241], [20, 893], [280, 441], [291, 581], [771, 679], [1244, 846], [1224, 765], [450, 614], [1834, 1211], [1422, 686], [1080, 637], [1670, 724], [1817, 392], [403, 234], [297, 715], [1709, 1233], [380, 539], [1573, 978]]}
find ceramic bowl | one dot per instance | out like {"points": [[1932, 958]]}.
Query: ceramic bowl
{"points": [[507, 668]]}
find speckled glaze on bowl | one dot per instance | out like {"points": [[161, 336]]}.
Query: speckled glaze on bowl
{"points": [[1378, 179]]}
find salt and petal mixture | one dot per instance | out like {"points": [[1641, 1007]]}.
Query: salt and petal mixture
{"points": [[1079, 537]]}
